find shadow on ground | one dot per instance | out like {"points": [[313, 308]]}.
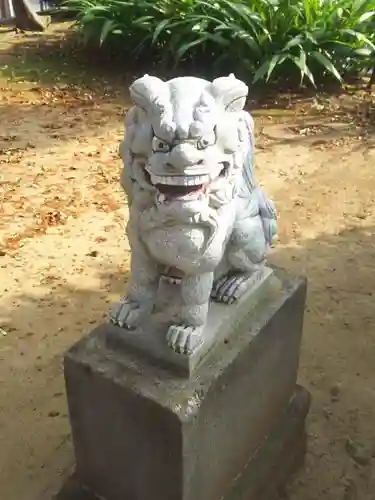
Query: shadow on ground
{"points": [[86, 85], [37, 124], [338, 355], [338, 352]]}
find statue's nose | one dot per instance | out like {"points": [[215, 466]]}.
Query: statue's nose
{"points": [[184, 155]]}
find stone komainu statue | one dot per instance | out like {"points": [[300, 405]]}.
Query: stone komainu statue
{"points": [[197, 218]]}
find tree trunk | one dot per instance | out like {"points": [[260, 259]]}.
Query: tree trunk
{"points": [[26, 18]]}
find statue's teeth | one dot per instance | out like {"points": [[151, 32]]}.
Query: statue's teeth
{"points": [[192, 180], [155, 179], [202, 179], [171, 181]]}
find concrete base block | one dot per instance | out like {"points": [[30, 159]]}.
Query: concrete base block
{"points": [[265, 475], [141, 432]]}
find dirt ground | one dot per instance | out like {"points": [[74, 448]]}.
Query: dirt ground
{"points": [[64, 258]]}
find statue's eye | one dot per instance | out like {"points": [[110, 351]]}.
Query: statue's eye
{"points": [[160, 146], [207, 140]]}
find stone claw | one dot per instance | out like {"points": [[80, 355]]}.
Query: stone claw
{"points": [[231, 287], [127, 314], [184, 339]]}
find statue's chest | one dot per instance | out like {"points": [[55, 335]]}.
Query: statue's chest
{"points": [[190, 249]]}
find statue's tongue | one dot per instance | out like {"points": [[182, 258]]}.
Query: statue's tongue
{"points": [[177, 191]]}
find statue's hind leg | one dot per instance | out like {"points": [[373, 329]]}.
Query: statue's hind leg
{"points": [[231, 286], [246, 254]]}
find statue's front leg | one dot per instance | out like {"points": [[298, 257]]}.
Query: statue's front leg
{"points": [[187, 334], [139, 301]]}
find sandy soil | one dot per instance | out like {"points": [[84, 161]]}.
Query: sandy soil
{"points": [[64, 258]]}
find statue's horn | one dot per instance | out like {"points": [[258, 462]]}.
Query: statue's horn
{"points": [[150, 93], [232, 93]]}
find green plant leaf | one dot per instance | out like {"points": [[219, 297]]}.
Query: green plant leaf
{"points": [[159, 29], [327, 64], [366, 16], [268, 67], [364, 52], [187, 46], [301, 63], [297, 40], [107, 27], [268, 37]]}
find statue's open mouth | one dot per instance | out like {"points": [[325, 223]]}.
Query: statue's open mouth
{"points": [[176, 186], [179, 186]]}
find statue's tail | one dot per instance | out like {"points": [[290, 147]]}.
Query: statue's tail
{"points": [[267, 210], [248, 171], [268, 215]]}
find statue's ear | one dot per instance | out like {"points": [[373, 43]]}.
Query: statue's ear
{"points": [[150, 93], [232, 93]]}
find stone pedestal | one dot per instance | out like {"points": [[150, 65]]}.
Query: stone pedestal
{"points": [[231, 430]]}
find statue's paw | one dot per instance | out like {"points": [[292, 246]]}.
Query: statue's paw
{"points": [[185, 339], [128, 314], [232, 286]]}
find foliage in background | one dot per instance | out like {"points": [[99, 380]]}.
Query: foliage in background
{"points": [[267, 39]]}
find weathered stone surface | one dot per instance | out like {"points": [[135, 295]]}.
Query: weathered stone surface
{"points": [[140, 432], [282, 454], [265, 475]]}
